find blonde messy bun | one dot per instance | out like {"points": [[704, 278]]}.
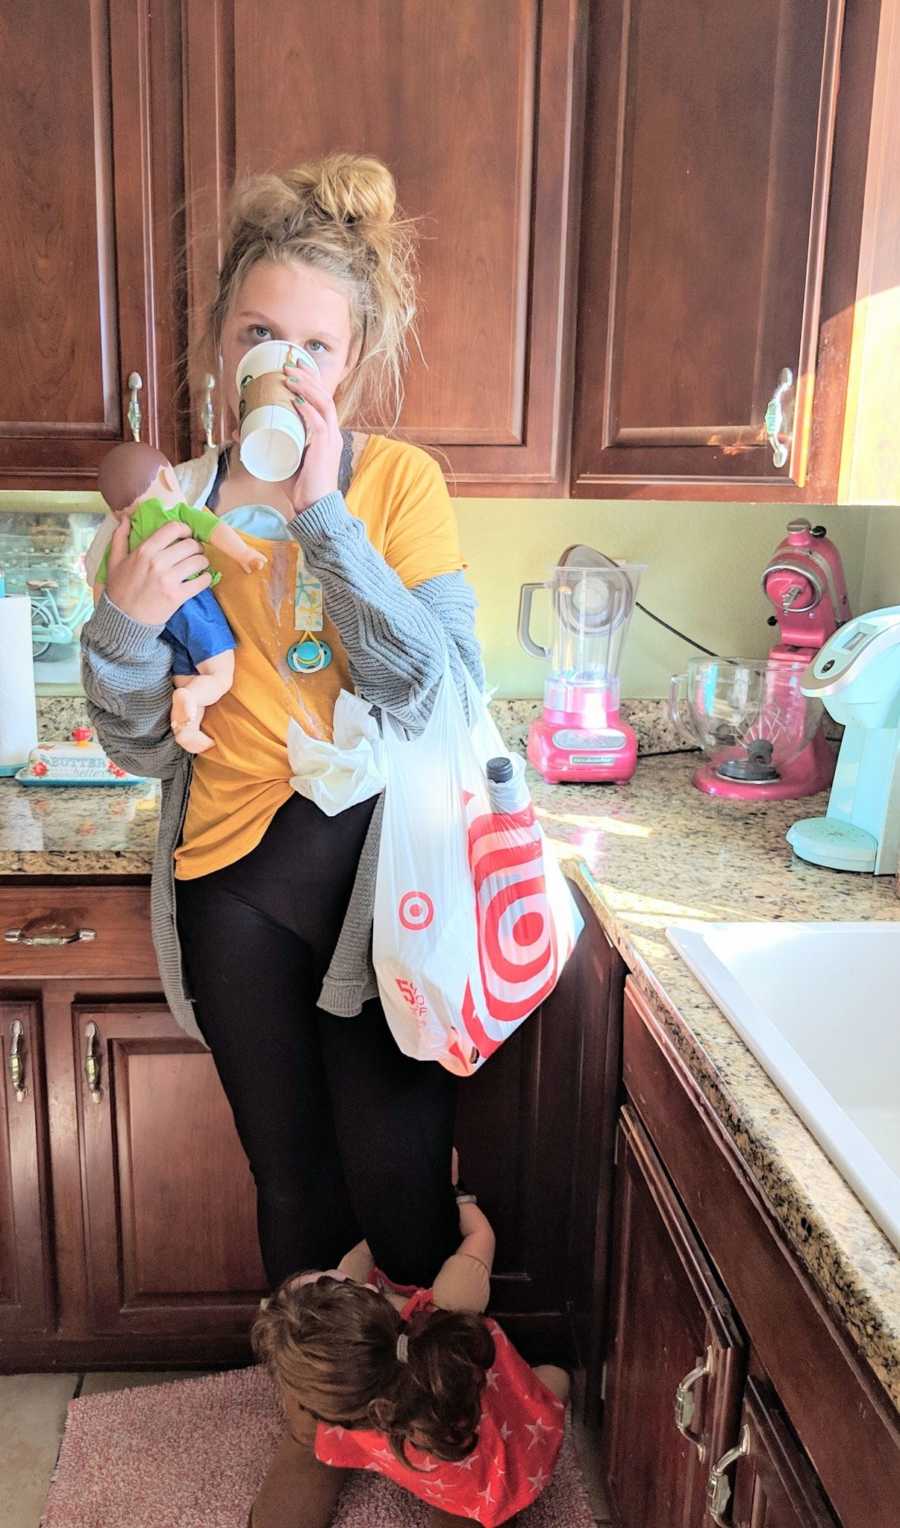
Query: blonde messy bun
{"points": [[338, 214], [348, 188]]}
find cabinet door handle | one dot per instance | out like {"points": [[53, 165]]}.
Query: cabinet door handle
{"points": [[17, 1059], [135, 383], [774, 419], [56, 933], [92, 1063], [685, 1400], [207, 412], [718, 1487]]}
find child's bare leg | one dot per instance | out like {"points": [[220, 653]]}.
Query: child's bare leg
{"points": [[556, 1380], [193, 693], [298, 1490]]}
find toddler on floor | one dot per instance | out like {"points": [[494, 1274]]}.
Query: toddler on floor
{"points": [[413, 1383]]}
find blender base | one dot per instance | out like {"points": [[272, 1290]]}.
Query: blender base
{"points": [[810, 772], [587, 755]]}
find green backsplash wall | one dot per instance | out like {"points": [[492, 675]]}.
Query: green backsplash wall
{"points": [[704, 563], [703, 570], [881, 582]]}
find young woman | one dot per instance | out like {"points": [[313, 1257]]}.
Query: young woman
{"points": [[413, 1384], [262, 906]]}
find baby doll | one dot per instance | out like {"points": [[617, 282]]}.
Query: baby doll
{"points": [[139, 484], [414, 1384]]}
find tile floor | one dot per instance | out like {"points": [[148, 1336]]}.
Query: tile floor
{"points": [[32, 1418]]}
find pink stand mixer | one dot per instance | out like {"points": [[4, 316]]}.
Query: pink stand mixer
{"points": [[762, 736]]}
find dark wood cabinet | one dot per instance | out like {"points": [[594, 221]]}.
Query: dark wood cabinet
{"points": [[477, 108], [169, 1203], [90, 183], [141, 1221], [636, 218], [723, 205], [794, 1430], [773, 1484], [535, 1134], [25, 1270], [676, 1351]]}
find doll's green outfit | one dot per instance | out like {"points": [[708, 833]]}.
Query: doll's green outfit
{"points": [[197, 630]]}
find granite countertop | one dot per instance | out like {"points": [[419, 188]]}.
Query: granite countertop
{"points": [[646, 854]]}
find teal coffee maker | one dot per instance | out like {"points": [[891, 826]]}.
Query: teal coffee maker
{"points": [[857, 677]]}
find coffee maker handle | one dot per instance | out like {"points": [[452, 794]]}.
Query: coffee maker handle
{"points": [[526, 595]]}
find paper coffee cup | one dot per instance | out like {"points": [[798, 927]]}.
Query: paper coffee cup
{"points": [[272, 433]]}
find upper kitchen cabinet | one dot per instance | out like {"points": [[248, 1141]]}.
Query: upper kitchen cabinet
{"points": [[90, 179], [726, 198], [477, 108]]}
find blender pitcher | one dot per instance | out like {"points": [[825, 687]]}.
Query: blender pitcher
{"points": [[580, 735]]}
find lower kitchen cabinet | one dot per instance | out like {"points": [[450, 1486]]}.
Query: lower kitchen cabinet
{"points": [[732, 1395], [128, 1228], [769, 1481], [676, 1350], [169, 1203], [25, 1273]]}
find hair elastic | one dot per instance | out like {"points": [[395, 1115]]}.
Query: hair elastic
{"points": [[403, 1348]]}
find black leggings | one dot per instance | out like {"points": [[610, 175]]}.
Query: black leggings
{"points": [[346, 1137]]}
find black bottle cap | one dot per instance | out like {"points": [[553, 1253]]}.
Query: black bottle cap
{"points": [[499, 769]]}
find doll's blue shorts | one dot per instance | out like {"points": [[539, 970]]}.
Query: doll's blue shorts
{"points": [[197, 631]]}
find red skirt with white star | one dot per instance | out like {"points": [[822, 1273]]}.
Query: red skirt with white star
{"points": [[519, 1438]]}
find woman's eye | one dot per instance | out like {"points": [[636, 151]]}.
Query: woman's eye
{"points": [[260, 331], [315, 345]]}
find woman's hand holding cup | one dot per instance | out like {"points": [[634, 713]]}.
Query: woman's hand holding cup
{"points": [[320, 469], [148, 584]]}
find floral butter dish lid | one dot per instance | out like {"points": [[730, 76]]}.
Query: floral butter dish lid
{"points": [[77, 761]]}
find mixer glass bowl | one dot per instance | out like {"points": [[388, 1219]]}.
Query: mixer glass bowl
{"points": [[750, 717]]}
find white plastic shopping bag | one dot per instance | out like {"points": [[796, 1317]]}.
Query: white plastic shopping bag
{"points": [[474, 920], [348, 770]]}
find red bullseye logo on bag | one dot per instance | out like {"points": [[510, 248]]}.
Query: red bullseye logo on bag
{"points": [[416, 910], [517, 948]]}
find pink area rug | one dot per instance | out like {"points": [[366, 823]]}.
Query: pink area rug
{"points": [[191, 1455]]}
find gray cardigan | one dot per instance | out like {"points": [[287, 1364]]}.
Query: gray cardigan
{"points": [[397, 642]]}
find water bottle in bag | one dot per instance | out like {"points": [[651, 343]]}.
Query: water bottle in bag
{"points": [[507, 790]]}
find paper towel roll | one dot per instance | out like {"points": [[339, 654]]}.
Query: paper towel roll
{"points": [[18, 715]]}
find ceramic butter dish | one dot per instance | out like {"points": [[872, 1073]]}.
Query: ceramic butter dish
{"points": [[77, 761]]}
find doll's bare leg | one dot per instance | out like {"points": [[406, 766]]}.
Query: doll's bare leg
{"points": [[185, 718], [298, 1491], [193, 693]]}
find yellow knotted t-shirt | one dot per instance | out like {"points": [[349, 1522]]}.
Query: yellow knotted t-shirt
{"points": [[399, 494]]}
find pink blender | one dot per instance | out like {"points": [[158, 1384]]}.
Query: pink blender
{"points": [[580, 735], [763, 738]]}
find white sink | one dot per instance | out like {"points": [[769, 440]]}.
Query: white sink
{"points": [[819, 1006]]}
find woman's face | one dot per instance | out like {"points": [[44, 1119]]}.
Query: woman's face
{"points": [[293, 302]]}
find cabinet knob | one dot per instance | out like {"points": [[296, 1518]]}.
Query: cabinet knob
{"points": [[775, 419], [686, 1401], [92, 1063], [207, 412], [718, 1487], [135, 383], [17, 1059]]}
